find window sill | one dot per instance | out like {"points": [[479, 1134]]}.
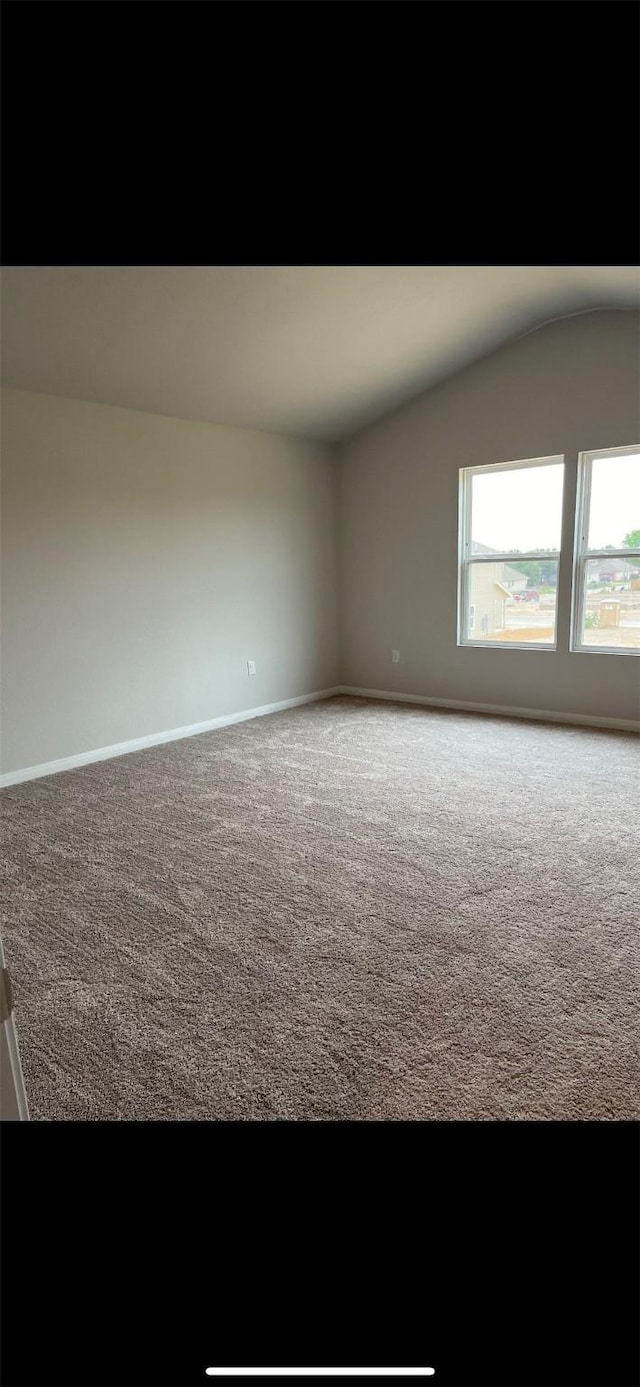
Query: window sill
{"points": [[603, 650], [509, 645]]}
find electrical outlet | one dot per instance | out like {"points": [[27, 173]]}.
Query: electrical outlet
{"points": [[395, 657], [251, 666]]}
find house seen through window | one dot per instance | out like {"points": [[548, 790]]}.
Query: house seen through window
{"points": [[511, 521], [606, 586], [510, 542]]}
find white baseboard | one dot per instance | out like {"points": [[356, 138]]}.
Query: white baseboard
{"points": [[498, 709], [105, 753]]}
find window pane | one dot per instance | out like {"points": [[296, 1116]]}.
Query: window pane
{"points": [[611, 607], [517, 511], [614, 513], [508, 603]]}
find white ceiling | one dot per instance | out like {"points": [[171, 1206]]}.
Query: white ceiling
{"points": [[315, 351]]}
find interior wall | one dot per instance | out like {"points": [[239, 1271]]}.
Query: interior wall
{"points": [[572, 385], [144, 561]]}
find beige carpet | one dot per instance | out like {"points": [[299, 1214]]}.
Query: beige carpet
{"points": [[348, 910]]}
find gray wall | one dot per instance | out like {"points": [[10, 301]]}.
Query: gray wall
{"points": [[570, 386], [144, 560]]}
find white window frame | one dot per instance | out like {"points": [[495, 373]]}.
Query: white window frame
{"points": [[465, 556], [582, 555]]}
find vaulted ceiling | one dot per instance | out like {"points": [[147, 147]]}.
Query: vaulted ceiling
{"points": [[316, 351]]}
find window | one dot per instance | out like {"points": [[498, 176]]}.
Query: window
{"points": [[606, 572], [510, 529]]}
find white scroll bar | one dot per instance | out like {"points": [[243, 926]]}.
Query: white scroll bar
{"points": [[320, 1372]]}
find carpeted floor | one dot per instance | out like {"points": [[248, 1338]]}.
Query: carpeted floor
{"points": [[348, 910]]}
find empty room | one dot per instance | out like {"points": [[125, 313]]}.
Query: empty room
{"points": [[320, 692]]}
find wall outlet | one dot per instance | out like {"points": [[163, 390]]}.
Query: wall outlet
{"points": [[251, 666], [395, 657]]}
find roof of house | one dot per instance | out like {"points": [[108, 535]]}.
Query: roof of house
{"points": [[478, 548], [510, 573]]}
